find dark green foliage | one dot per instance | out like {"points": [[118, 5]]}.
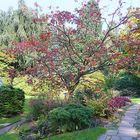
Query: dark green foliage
{"points": [[128, 84], [11, 101], [79, 115], [69, 118], [59, 119]]}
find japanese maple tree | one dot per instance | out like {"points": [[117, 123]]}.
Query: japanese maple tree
{"points": [[72, 46]]}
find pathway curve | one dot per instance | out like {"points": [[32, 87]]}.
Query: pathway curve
{"points": [[126, 129], [11, 126]]}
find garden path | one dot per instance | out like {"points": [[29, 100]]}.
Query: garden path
{"points": [[11, 126], [126, 129]]}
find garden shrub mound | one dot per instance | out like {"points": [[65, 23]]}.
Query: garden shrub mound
{"points": [[11, 101], [59, 120], [70, 118]]}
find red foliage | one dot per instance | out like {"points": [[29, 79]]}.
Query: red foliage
{"points": [[117, 102], [45, 35], [12, 73], [64, 54]]}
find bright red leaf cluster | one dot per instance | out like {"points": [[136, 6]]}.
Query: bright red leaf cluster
{"points": [[117, 102]]}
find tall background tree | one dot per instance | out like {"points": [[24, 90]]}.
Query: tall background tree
{"points": [[17, 25]]}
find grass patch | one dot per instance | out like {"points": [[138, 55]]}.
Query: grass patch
{"points": [[10, 120], [26, 109], [24, 127], [135, 100], [87, 134], [9, 136]]}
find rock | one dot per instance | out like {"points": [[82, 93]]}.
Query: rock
{"points": [[120, 110], [112, 132], [128, 103]]}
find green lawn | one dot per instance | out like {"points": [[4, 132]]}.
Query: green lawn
{"points": [[135, 100], [10, 120], [87, 134], [9, 136]]}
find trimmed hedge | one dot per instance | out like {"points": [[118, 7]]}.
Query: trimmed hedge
{"points": [[11, 101]]}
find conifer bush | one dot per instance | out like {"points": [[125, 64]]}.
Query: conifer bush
{"points": [[11, 101]]}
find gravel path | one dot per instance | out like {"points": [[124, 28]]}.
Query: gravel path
{"points": [[126, 129]]}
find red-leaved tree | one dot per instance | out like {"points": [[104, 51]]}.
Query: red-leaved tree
{"points": [[72, 46]]}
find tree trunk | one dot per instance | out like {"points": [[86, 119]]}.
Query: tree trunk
{"points": [[71, 91], [69, 95], [11, 81]]}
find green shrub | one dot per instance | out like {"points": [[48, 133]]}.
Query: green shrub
{"points": [[59, 119], [11, 101], [128, 84], [79, 116], [69, 118]]}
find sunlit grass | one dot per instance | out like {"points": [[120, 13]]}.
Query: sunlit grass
{"points": [[10, 120], [135, 100], [9, 136], [87, 134]]}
